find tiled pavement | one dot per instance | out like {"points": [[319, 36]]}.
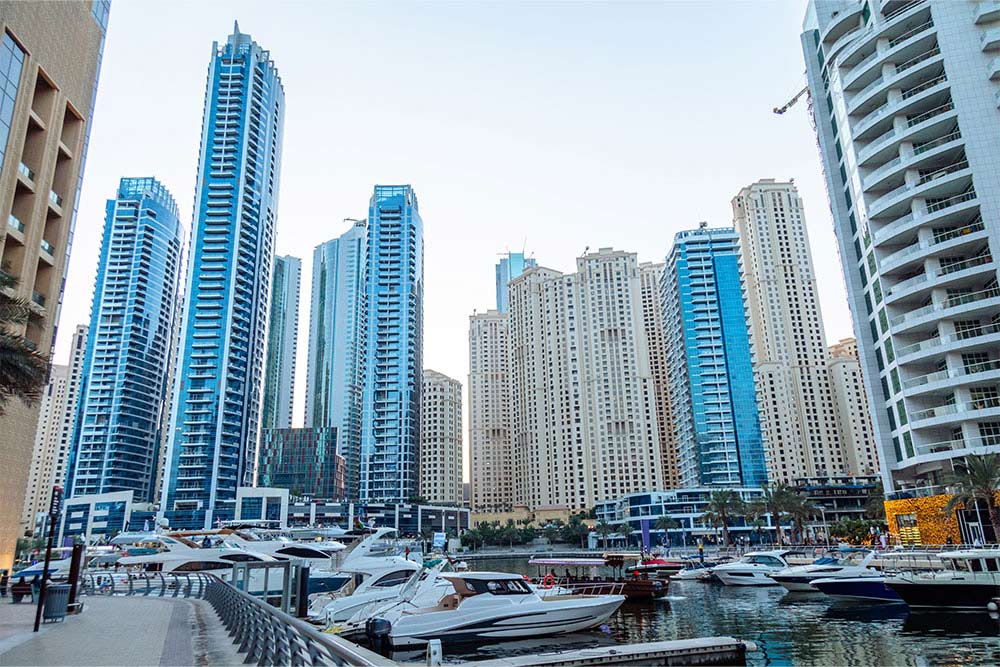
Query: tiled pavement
{"points": [[119, 631]]}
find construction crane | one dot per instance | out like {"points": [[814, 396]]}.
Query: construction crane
{"points": [[790, 103]]}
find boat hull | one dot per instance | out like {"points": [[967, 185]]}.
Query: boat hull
{"points": [[800, 584], [858, 588], [519, 622], [954, 594], [744, 577]]}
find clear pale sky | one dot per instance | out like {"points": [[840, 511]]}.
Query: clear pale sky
{"points": [[546, 126]]}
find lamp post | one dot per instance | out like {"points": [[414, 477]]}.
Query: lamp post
{"points": [[826, 528]]}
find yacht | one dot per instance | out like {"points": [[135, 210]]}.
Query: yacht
{"points": [[800, 577], [866, 587], [752, 569], [697, 569], [487, 606], [970, 580]]}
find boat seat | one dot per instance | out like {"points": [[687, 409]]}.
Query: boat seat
{"points": [[450, 601]]}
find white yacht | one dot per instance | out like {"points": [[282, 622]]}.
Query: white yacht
{"points": [[800, 577], [970, 580], [495, 605], [752, 569]]}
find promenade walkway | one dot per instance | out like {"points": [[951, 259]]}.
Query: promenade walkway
{"points": [[119, 631]]}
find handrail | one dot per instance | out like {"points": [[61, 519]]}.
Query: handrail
{"points": [[929, 23]]}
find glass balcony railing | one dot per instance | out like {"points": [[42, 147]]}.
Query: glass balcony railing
{"points": [[48, 247], [55, 199], [910, 33], [966, 264], [916, 60], [934, 143], [916, 90], [940, 204], [971, 369], [944, 171], [902, 10], [14, 223], [26, 171], [950, 302], [919, 248], [971, 228], [927, 115]]}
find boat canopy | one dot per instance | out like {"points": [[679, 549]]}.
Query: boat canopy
{"points": [[570, 562]]}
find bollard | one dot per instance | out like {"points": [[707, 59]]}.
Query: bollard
{"points": [[302, 594], [434, 653]]}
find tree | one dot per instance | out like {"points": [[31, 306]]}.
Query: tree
{"points": [[666, 523], [774, 501], [626, 531], [854, 531], [800, 509], [977, 477], [721, 506], [604, 529], [24, 371], [875, 504]]}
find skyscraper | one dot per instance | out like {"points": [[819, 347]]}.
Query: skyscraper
{"points": [[394, 296], [650, 276], [854, 422], [337, 318], [508, 268], [116, 438], [904, 104], [282, 343], [441, 439], [303, 460], [583, 423], [712, 395], [221, 359], [50, 59], [787, 341], [490, 448]]}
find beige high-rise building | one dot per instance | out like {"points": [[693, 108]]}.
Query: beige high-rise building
{"points": [[491, 471], [652, 317], [584, 423], [441, 438], [53, 436], [851, 406], [50, 57], [787, 342]]}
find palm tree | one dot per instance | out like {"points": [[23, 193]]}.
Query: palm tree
{"points": [[626, 531], [720, 507], [800, 509], [977, 478], [604, 529], [774, 501], [666, 523], [24, 371], [875, 504]]}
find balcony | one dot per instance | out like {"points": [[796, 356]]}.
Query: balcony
{"points": [[931, 343], [990, 39], [15, 224], [47, 248], [950, 302], [900, 257], [987, 11], [986, 403], [55, 200], [26, 175], [972, 369]]}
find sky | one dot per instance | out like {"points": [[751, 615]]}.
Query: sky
{"points": [[543, 126]]}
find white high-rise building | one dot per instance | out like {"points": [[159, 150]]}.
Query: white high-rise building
{"points": [[787, 342], [904, 99], [491, 472], [441, 439], [584, 423], [650, 276], [851, 405], [57, 414]]}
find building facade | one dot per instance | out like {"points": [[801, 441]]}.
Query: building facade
{"points": [[337, 327], [441, 459], [50, 59], [650, 276], [115, 444], [903, 99], [393, 346], [712, 396], [282, 343], [220, 365], [491, 468], [508, 268], [787, 341], [850, 402], [303, 460], [583, 423]]}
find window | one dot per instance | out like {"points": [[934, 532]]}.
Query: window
{"points": [[393, 578], [11, 63]]}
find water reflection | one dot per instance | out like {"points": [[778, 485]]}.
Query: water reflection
{"points": [[799, 629]]}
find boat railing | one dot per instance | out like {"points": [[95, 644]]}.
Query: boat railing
{"points": [[583, 587]]}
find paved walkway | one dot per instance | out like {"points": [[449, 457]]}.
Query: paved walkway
{"points": [[119, 631]]}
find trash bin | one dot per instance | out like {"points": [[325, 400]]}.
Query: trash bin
{"points": [[56, 601]]}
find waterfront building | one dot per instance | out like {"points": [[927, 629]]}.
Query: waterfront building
{"points": [[441, 458], [904, 104], [712, 396], [282, 343], [840, 497], [583, 422], [393, 346], [850, 404], [787, 341], [56, 420], [96, 518], [490, 448], [221, 358], [337, 321], [303, 460], [650, 276], [508, 268], [116, 438], [50, 59]]}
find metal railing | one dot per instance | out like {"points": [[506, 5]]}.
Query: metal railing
{"points": [[927, 115], [910, 33], [934, 143], [14, 223], [935, 206]]}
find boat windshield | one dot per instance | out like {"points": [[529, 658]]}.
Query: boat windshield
{"points": [[499, 586]]}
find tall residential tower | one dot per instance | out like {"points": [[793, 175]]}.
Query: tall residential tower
{"points": [[508, 268], [282, 343], [441, 439], [220, 365], [490, 449]]}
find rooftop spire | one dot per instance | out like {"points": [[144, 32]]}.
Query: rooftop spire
{"points": [[236, 27]]}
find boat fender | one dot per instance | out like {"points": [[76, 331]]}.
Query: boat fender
{"points": [[992, 606], [657, 585], [377, 632]]}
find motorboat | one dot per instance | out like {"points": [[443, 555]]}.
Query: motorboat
{"points": [[799, 578], [487, 606], [970, 580], [699, 569], [867, 587], [752, 569], [659, 567], [377, 587]]}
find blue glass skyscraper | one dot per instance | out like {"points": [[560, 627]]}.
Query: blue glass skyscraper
{"points": [[712, 393], [123, 382], [508, 268], [394, 294], [222, 345], [282, 343], [337, 318]]}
